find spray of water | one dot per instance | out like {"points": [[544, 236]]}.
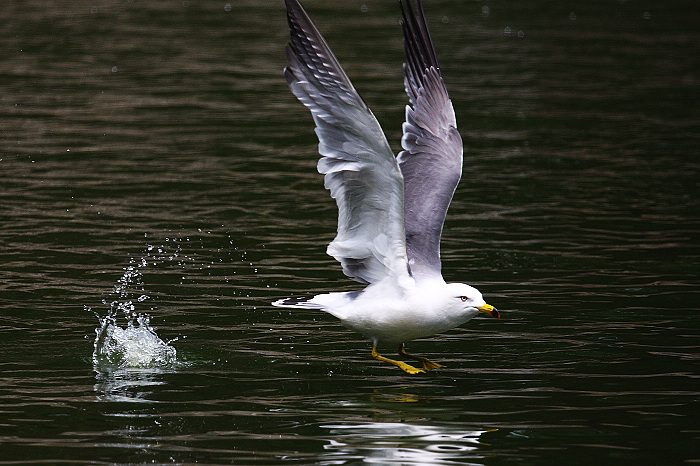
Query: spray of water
{"points": [[136, 345]]}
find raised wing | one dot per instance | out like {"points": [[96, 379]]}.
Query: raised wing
{"points": [[360, 169], [431, 161]]}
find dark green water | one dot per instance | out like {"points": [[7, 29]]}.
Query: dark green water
{"points": [[168, 125]]}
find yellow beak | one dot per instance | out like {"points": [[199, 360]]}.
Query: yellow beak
{"points": [[490, 310]]}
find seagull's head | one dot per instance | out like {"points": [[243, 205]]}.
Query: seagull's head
{"points": [[469, 300]]}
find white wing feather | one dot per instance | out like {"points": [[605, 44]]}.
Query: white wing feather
{"points": [[360, 169]]}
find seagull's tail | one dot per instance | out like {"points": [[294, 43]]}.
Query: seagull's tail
{"points": [[333, 303], [299, 303]]}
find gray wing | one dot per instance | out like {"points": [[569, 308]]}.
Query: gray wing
{"points": [[360, 169], [431, 161]]}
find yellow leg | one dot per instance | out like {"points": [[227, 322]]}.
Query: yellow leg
{"points": [[428, 365], [409, 369]]}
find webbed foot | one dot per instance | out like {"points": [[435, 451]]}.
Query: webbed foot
{"points": [[407, 368], [428, 365]]}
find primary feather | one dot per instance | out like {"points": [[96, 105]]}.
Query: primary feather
{"points": [[431, 161], [360, 169]]}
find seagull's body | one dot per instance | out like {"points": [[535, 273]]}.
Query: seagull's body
{"points": [[387, 313], [391, 209]]}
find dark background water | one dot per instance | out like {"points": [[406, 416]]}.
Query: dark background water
{"points": [[128, 125]]}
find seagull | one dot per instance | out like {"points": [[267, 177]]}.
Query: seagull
{"points": [[391, 209]]}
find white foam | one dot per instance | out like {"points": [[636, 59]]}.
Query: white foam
{"points": [[137, 345]]}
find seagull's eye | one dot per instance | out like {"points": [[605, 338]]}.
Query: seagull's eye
{"points": [[463, 298]]}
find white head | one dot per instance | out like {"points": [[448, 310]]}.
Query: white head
{"points": [[468, 300]]}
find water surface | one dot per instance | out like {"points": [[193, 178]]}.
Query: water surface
{"points": [[130, 126]]}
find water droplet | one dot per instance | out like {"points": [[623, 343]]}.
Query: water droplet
{"points": [[137, 344]]}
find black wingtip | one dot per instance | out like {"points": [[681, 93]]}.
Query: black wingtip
{"points": [[420, 49]]}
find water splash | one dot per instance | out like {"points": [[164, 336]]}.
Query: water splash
{"points": [[137, 345]]}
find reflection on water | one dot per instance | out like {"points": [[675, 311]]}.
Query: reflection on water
{"points": [[401, 443], [127, 384]]}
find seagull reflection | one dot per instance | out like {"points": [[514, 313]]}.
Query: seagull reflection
{"points": [[401, 443]]}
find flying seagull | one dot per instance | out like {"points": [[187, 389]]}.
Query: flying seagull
{"points": [[390, 209]]}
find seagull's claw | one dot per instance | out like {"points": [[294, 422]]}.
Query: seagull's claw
{"points": [[428, 365], [407, 368]]}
